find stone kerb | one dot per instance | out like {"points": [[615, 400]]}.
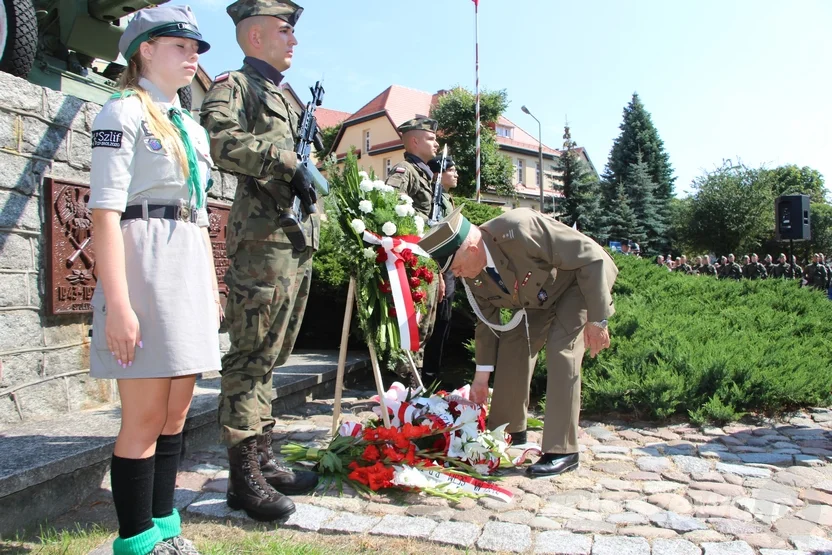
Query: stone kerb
{"points": [[44, 360]]}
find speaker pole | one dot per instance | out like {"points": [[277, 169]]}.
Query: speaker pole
{"points": [[791, 255]]}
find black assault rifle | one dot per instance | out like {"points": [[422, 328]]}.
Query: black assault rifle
{"points": [[436, 211], [307, 136]]}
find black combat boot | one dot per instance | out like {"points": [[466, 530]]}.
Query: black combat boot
{"points": [[248, 489], [280, 477]]}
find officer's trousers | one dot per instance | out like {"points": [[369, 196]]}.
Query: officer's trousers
{"points": [[268, 289], [561, 330]]}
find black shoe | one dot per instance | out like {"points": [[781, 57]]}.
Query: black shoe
{"points": [[281, 477], [248, 489], [518, 438], [552, 465]]}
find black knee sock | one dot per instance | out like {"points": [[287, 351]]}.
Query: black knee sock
{"points": [[132, 483], [168, 449]]}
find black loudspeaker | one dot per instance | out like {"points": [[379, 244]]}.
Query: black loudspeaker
{"points": [[791, 214]]}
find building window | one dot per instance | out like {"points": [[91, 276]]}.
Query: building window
{"points": [[367, 141], [519, 166], [503, 131], [388, 166]]}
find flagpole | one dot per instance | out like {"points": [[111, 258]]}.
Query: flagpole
{"points": [[477, 80]]}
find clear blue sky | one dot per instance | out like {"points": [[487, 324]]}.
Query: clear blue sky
{"points": [[745, 79]]}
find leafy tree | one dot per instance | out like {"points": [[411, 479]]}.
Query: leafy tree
{"points": [[580, 189], [622, 222], [790, 179], [821, 227], [639, 136], [456, 114], [732, 209], [640, 190], [328, 135]]}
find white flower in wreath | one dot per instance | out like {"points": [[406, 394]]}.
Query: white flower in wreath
{"points": [[358, 225], [406, 198], [383, 187], [467, 422], [369, 253], [403, 210], [455, 449], [365, 206], [475, 451], [483, 469], [366, 186], [420, 224], [389, 229], [410, 477], [363, 175]]}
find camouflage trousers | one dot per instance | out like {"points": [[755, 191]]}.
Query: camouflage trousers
{"points": [[425, 329], [268, 288]]}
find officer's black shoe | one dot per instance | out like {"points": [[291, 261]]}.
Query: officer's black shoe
{"points": [[518, 438], [280, 477], [248, 489], [552, 465]]}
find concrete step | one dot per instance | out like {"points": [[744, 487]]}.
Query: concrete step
{"points": [[50, 466]]}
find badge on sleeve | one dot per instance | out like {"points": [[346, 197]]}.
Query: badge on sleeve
{"points": [[399, 170], [154, 144], [109, 138], [221, 77], [542, 296]]}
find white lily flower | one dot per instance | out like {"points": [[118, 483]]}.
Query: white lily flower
{"points": [[358, 225], [389, 229], [475, 451], [365, 206], [437, 405], [467, 421], [455, 449]]}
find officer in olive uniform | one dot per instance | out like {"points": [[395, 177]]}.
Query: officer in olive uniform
{"points": [[758, 270], [253, 133], [793, 270], [682, 265], [442, 327], [414, 178], [556, 279]]}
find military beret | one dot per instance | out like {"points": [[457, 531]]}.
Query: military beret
{"points": [[162, 21], [418, 124], [443, 239], [435, 162], [285, 10]]}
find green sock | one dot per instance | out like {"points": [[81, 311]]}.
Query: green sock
{"points": [[169, 526], [137, 545]]}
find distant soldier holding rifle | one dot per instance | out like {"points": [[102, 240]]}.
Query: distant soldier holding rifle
{"points": [[414, 178], [271, 240]]}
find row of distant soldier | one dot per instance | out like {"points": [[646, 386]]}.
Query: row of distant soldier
{"points": [[818, 274]]}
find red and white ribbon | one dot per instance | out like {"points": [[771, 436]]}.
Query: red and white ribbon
{"points": [[406, 313], [471, 485]]}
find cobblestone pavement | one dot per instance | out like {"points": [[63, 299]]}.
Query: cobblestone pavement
{"points": [[676, 490]]}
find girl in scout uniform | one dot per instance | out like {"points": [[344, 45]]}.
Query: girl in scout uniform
{"points": [[156, 305]]}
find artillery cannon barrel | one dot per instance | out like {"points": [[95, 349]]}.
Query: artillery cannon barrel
{"points": [[111, 10]]}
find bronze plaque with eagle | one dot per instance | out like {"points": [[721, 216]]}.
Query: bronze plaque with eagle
{"points": [[70, 263]]}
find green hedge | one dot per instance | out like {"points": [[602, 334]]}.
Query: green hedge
{"points": [[706, 349], [710, 349]]}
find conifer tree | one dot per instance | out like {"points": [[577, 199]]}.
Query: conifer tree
{"points": [[640, 189], [621, 221], [580, 189]]}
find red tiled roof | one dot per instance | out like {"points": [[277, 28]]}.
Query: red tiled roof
{"points": [[521, 139], [329, 118], [401, 104]]}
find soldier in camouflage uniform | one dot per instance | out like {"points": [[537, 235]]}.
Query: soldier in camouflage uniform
{"points": [[707, 268], [768, 264], [759, 270], [253, 132], [793, 271], [682, 265], [734, 269], [413, 177], [778, 270]]}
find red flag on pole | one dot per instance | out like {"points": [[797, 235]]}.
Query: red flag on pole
{"points": [[476, 2]]}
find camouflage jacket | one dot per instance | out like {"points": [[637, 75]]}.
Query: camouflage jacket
{"points": [[733, 271], [708, 269], [754, 271], [253, 131], [413, 178]]}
